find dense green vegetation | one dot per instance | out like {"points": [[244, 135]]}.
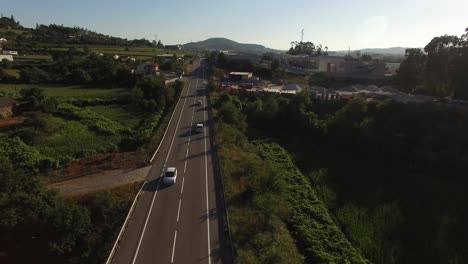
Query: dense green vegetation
{"points": [[64, 93], [392, 175], [440, 71], [52, 229], [37, 220], [76, 103], [57, 133], [274, 213], [308, 48]]}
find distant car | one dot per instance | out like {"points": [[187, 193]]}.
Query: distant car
{"points": [[199, 102], [199, 128], [171, 176]]}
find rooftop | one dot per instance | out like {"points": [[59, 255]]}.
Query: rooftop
{"points": [[240, 73]]}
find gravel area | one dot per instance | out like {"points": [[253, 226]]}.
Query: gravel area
{"points": [[100, 181]]}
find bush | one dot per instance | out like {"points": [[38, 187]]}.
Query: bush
{"points": [[24, 156], [33, 75]]}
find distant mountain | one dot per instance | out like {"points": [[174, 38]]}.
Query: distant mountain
{"points": [[385, 51], [227, 44]]}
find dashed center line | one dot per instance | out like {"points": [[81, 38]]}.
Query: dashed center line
{"points": [[182, 190], [178, 211], [173, 246]]}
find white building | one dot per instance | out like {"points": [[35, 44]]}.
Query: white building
{"points": [[6, 57], [240, 76]]}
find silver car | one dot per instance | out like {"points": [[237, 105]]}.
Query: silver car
{"points": [[170, 177]]}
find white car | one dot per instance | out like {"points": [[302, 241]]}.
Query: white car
{"points": [[171, 176], [199, 128], [199, 102]]}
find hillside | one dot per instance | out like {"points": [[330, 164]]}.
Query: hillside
{"points": [[19, 36], [227, 44], [384, 51]]}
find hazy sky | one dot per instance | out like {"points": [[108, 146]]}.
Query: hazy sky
{"points": [[273, 23]]}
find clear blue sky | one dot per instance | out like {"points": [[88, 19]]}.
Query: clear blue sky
{"points": [[336, 23]]}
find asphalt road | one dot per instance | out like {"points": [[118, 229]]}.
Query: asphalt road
{"points": [[181, 223]]}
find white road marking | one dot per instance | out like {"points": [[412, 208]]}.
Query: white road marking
{"points": [[144, 227], [178, 211], [206, 183], [182, 190], [157, 187], [173, 246], [185, 166]]}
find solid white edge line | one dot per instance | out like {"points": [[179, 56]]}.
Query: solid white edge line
{"points": [[144, 227], [168, 125], [119, 237], [206, 183], [173, 246]]}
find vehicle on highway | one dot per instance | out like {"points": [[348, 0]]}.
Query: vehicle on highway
{"points": [[199, 102], [199, 128], [170, 176]]}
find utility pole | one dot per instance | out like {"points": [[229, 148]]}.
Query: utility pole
{"points": [[302, 35]]}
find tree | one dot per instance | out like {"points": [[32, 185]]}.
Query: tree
{"points": [[306, 48], [32, 98], [275, 64], [33, 75], [6, 64], [458, 72], [79, 75], [366, 57], [149, 93], [441, 52], [160, 45], [38, 220], [410, 74]]}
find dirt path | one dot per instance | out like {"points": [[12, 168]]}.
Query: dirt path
{"points": [[99, 181]]}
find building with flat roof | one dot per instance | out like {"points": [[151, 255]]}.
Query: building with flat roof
{"points": [[6, 57], [357, 70], [240, 76]]}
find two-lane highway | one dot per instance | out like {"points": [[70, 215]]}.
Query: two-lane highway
{"points": [[181, 223]]}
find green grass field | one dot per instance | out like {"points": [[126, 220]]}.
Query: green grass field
{"points": [[72, 139], [123, 114], [146, 52], [65, 92], [33, 57]]}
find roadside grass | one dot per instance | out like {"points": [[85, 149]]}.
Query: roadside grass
{"points": [[108, 210], [124, 114], [33, 57], [65, 92]]}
